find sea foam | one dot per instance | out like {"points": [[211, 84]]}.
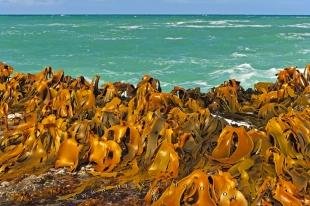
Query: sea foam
{"points": [[247, 74]]}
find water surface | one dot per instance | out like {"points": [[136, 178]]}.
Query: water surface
{"points": [[188, 51]]}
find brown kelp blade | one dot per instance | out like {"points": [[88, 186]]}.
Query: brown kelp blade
{"points": [[179, 143]]}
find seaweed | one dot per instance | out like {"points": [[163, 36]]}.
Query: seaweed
{"points": [[179, 142]]}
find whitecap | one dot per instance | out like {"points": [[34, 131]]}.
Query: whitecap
{"points": [[294, 36], [164, 71], [203, 85], [62, 55], [246, 74], [228, 26], [304, 51], [58, 24], [219, 22], [115, 38], [227, 22], [165, 84], [301, 25], [183, 60], [174, 38], [180, 22], [132, 27], [237, 55], [163, 62]]}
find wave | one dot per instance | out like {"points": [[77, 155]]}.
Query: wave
{"points": [[221, 22], [124, 38], [227, 26], [174, 38], [131, 27], [62, 55], [294, 36], [247, 74], [216, 24], [304, 51], [237, 55], [203, 85], [56, 24], [301, 25], [197, 21], [183, 60], [211, 22]]}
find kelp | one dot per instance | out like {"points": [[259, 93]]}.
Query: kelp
{"points": [[179, 142]]}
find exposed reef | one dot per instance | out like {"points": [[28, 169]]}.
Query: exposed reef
{"points": [[67, 140]]}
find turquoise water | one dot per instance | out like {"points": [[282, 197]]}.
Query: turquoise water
{"points": [[188, 51]]}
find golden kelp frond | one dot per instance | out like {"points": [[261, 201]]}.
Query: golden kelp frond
{"points": [[5, 72], [166, 161], [291, 133], [307, 73], [286, 193], [180, 142], [68, 154], [233, 145], [201, 189], [292, 77], [270, 110], [194, 189], [227, 95]]}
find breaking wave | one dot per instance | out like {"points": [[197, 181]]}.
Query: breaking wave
{"points": [[247, 74], [174, 38], [237, 55], [217, 24], [294, 36], [301, 25]]}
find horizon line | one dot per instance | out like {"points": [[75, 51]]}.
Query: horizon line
{"points": [[146, 14]]}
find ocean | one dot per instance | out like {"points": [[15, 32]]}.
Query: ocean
{"points": [[188, 51]]}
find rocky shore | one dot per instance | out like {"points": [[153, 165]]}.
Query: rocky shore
{"points": [[68, 141]]}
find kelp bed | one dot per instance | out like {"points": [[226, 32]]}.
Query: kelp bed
{"points": [[65, 140]]}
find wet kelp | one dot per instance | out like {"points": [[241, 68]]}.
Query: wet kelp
{"points": [[180, 143]]}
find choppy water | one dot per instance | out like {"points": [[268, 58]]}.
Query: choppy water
{"points": [[188, 51]]}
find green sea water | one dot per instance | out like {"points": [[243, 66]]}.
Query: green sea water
{"points": [[189, 51]]}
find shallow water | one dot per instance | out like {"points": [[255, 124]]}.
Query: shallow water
{"points": [[189, 51]]}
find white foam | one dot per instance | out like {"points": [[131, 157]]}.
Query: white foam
{"points": [[132, 27], [203, 85], [228, 26], [294, 36], [183, 60], [304, 51], [230, 23], [115, 38], [227, 22], [215, 22], [220, 22], [237, 55], [302, 25], [246, 74], [59, 24], [174, 38], [62, 55]]}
